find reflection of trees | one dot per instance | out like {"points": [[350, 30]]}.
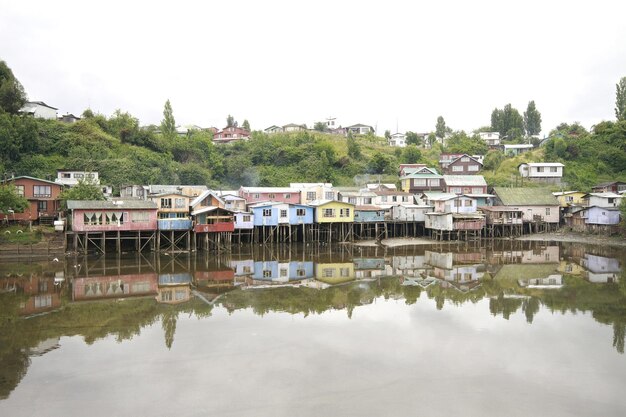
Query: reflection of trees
{"points": [[530, 307], [619, 332], [13, 367], [168, 323], [504, 305]]}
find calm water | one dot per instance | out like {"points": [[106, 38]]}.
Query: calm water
{"points": [[517, 329]]}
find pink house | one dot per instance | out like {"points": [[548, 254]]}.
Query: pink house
{"points": [[111, 216], [255, 195]]}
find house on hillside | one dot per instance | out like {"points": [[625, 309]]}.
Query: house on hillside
{"points": [[139, 192], [39, 109], [424, 179], [273, 129], [406, 169], [397, 140], [69, 118], [293, 127], [516, 149], [570, 198], [360, 129], [70, 178], [262, 194], [188, 190], [611, 186], [231, 134], [550, 172], [607, 199], [43, 199], [492, 139], [460, 164], [538, 205]]}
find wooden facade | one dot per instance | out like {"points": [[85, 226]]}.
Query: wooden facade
{"points": [[42, 196]]}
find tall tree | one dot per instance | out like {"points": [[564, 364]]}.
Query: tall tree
{"points": [[320, 126], [12, 95], [387, 134], [246, 125], [412, 138], [440, 129], [168, 124], [532, 119], [230, 121], [508, 122], [620, 99]]}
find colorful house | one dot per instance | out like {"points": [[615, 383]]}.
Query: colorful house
{"points": [[424, 179], [312, 191], [409, 213], [570, 198], [459, 164], [610, 186], [42, 196], [335, 273], [213, 219], [174, 288], [551, 172], [465, 184], [172, 211], [333, 212], [106, 216], [536, 204], [368, 214], [255, 195]]}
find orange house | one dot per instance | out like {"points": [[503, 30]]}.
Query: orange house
{"points": [[42, 196]]}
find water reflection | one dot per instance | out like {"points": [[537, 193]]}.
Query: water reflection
{"points": [[118, 296]]}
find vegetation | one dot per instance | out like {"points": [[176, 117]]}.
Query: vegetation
{"points": [[620, 100], [168, 124], [84, 190], [532, 120], [12, 95], [10, 200], [508, 122]]}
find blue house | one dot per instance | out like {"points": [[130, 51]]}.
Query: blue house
{"points": [[301, 214], [270, 213], [301, 270], [369, 214]]}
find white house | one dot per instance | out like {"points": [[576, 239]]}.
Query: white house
{"points": [[397, 140], [606, 200], [71, 178], [360, 129], [311, 191], [491, 138], [542, 171], [39, 109]]}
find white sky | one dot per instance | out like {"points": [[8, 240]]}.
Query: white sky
{"points": [[277, 62]]}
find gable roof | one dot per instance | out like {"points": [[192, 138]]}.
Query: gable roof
{"points": [[204, 195], [30, 178], [525, 196]]}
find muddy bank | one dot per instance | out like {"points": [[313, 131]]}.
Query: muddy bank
{"points": [[568, 236]]}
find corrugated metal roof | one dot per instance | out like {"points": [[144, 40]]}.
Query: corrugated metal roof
{"points": [[525, 196], [459, 180], [110, 205]]}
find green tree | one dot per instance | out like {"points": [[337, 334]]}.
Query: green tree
{"points": [[320, 126], [459, 142], [123, 125], [412, 138], [11, 200], [84, 190], [246, 125], [620, 99], [508, 121], [379, 164], [532, 119], [387, 134], [493, 159], [168, 124], [354, 149], [432, 138], [12, 95], [411, 155], [440, 128], [230, 121]]}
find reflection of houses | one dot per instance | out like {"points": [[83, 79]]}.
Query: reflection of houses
{"points": [[601, 269], [174, 288], [43, 294], [282, 272], [539, 255], [512, 274], [335, 273], [409, 266], [114, 286], [554, 281], [214, 279], [369, 268]]}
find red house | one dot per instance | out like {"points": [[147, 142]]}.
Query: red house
{"points": [[110, 216], [254, 195], [42, 196], [230, 134]]}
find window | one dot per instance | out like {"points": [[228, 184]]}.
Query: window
{"points": [[139, 287], [419, 182], [367, 200], [246, 270], [114, 218], [166, 296], [473, 168], [267, 212], [465, 159], [246, 218], [283, 214], [611, 200], [300, 212], [166, 203], [457, 203], [328, 212], [456, 190], [468, 203], [552, 169], [42, 191], [569, 199], [42, 206], [283, 272], [477, 190], [78, 176], [66, 175], [256, 196], [42, 301], [352, 200], [139, 216], [180, 295], [329, 195], [19, 189], [383, 198], [300, 272], [271, 196], [267, 273], [287, 196], [344, 272], [547, 211], [539, 169], [180, 203], [344, 212], [328, 272], [434, 182], [457, 168], [311, 195]]}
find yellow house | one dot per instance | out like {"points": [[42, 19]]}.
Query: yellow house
{"points": [[570, 268], [569, 198], [171, 205], [333, 211], [335, 273]]}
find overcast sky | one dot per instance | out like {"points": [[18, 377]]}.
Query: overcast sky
{"points": [[383, 63]]}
